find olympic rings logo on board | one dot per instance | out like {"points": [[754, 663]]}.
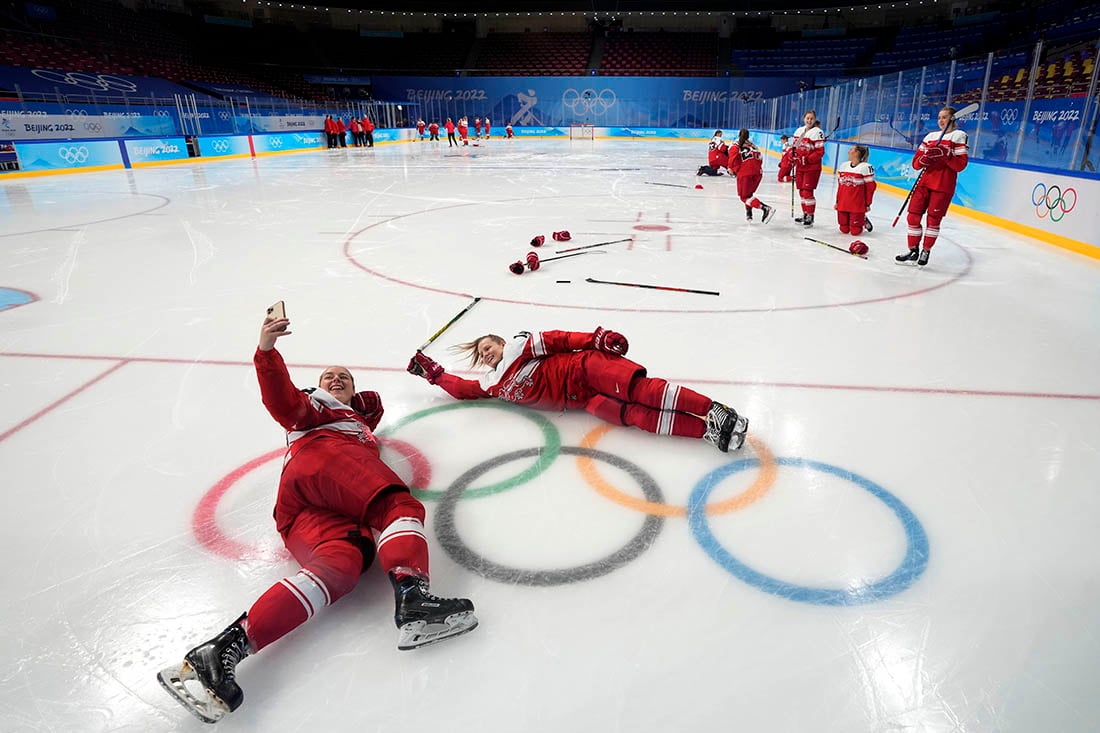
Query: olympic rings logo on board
{"points": [[220, 146], [73, 155], [275, 142], [699, 511], [223, 115], [101, 82], [93, 126], [588, 101], [1053, 201], [1010, 115], [76, 112]]}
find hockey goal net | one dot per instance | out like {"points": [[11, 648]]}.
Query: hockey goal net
{"points": [[582, 132]]}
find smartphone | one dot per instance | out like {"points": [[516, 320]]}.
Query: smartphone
{"points": [[277, 311]]}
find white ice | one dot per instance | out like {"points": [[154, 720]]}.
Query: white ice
{"points": [[970, 391]]}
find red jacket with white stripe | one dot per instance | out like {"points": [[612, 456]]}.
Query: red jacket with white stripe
{"points": [[746, 161], [308, 417], [944, 176], [540, 370], [855, 187], [809, 148]]}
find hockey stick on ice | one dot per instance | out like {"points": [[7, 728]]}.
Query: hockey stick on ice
{"points": [[838, 249], [590, 246], [450, 323], [652, 287], [972, 107], [671, 185]]}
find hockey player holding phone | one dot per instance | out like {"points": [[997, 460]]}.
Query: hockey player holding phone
{"points": [[335, 496]]}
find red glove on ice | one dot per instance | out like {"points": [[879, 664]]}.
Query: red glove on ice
{"points": [[424, 366], [609, 341]]}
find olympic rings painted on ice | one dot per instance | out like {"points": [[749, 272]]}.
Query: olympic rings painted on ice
{"points": [[763, 483], [1053, 201], [472, 561], [546, 455], [911, 567]]}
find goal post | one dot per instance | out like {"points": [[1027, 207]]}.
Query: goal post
{"points": [[582, 132]]}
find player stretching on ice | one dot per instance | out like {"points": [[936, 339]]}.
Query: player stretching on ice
{"points": [[941, 156], [556, 370], [335, 493]]}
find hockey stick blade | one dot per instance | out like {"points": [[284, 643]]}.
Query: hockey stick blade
{"points": [[652, 287], [838, 249]]}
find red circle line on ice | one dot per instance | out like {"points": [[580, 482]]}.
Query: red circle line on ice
{"points": [[765, 308], [204, 523]]}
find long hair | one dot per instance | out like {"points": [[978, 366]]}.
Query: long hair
{"points": [[742, 137], [864, 152], [469, 349]]}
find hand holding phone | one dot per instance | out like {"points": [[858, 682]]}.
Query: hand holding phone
{"points": [[274, 326], [276, 311]]}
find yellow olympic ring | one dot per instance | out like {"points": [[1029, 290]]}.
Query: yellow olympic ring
{"points": [[763, 483]]}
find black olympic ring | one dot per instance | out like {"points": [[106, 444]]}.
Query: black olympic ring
{"points": [[459, 552]]}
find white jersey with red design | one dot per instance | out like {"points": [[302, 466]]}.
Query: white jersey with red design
{"points": [[809, 147], [956, 146], [746, 160], [539, 370], [855, 187]]}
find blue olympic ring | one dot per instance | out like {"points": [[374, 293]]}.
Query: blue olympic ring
{"points": [[912, 565]]}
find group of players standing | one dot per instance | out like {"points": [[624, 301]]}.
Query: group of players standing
{"points": [[462, 128], [939, 159]]}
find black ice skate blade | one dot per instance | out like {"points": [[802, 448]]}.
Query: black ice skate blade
{"points": [[171, 679]]}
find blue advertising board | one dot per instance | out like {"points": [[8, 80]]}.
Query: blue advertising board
{"points": [[148, 152], [540, 101], [224, 146], [68, 155], [282, 142]]}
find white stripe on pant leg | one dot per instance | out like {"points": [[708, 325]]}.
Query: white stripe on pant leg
{"points": [[402, 527], [309, 590], [668, 405], [320, 584]]}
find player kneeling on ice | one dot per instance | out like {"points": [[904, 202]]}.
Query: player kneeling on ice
{"points": [[746, 162], [855, 188], [717, 156], [562, 370], [335, 495]]}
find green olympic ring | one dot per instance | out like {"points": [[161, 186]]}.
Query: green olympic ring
{"points": [[546, 455]]}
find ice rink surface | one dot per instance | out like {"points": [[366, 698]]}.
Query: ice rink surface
{"points": [[908, 543]]}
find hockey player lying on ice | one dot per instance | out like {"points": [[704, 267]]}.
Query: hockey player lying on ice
{"points": [[335, 496], [556, 370]]}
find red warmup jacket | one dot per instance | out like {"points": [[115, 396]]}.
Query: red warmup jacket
{"points": [[746, 161], [943, 176], [543, 370]]}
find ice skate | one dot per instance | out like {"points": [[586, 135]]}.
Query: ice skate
{"points": [[721, 421], [910, 256], [748, 213], [423, 618], [768, 213], [922, 259], [210, 669], [868, 225], [808, 220]]}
